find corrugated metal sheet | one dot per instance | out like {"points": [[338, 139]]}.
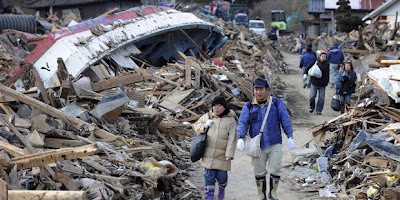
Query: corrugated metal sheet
{"points": [[316, 6], [25, 23]]}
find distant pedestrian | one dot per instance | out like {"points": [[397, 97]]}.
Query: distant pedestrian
{"points": [[346, 85], [319, 84], [220, 146], [335, 57], [308, 57], [300, 44], [273, 35]]}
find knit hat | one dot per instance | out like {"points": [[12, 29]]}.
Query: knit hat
{"points": [[260, 83], [221, 101], [309, 47]]}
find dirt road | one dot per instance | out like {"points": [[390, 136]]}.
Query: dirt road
{"points": [[241, 183]]}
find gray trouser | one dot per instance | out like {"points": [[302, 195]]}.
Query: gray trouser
{"points": [[270, 160]]}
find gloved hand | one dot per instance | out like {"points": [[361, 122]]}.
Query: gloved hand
{"points": [[290, 143], [228, 158], [208, 123], [240, 144]]}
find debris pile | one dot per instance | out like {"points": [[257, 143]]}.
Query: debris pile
{"points": [[361, 154], [104, 122]]}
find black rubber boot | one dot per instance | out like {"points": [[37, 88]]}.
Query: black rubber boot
{"points": [[273, 187], [261, 187]]}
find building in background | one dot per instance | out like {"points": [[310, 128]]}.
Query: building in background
{"points": [[385, 13]]}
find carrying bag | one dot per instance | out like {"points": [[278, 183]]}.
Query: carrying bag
{"points": [[252, 145], [315, 71], [198, 146], [335, 103]]}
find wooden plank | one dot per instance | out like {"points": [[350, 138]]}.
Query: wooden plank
{"points": [[113, 10], [40, 85], [392, 62], [188, 74], [58, 114], [154, 77], [180, 106], [116, 81], [394, 135], [11, 149], [45, 195], [3, 190], [175, 98], [62, 143], [40, 159]]}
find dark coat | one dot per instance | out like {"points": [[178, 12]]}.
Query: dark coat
{"points": [[335, 56], [346, 83], [324, 80]]}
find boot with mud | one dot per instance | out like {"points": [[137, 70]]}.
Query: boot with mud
{"points": [[261, 188], [210, 190], [273, 187], [342, 109], [221, 192]]}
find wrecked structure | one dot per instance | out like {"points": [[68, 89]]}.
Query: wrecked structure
{"points": [[102, 109]]}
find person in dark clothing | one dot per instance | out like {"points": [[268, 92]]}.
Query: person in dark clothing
{"points": [[308, 57], [345, 85], [319, 84], [273, 34], [335, 57]]}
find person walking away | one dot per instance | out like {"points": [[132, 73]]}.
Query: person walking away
{"points": [[300, 44], [220, 146], [250, 120], [273, 35], [308, 57], [346, 85], [335, 57], [319, 84]]}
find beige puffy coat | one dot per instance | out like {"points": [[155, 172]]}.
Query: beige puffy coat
{"points": [[221, 140]]}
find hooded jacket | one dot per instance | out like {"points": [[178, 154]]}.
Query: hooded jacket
{"points": [[251, 121], [221, 140], [324, 80], [335, 55]]}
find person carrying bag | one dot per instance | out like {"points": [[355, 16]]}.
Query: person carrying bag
{"points": [[220, 146], [262, 118], [252, 146]]}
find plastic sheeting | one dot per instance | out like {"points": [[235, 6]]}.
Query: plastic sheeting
{"points": [[384, 77], [377, 143]]}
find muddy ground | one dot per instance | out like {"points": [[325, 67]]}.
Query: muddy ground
{"points": [[241, 184]]}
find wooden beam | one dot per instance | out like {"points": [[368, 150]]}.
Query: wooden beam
{"points": [[78, 123], [40, 85], [3, 190], [144, 73], [392, 62], [45, 195], [48, 157], [113, 10], [116, 81], [394, 135], [11, 149], [188, 74]]}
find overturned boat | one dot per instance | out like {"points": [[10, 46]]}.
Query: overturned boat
{"points": [[154, 34]]}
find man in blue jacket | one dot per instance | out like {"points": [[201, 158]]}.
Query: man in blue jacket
{"points": [[251, 119], [335, 57], [308, 57]]}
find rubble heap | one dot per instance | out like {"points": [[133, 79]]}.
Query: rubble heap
{"points": [[114, 132], [361, 154]]}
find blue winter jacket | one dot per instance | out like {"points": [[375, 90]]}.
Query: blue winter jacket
{"points": [[335, 56], [307, 58], [252, 120]]}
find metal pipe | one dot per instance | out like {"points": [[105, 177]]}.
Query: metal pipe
{"points": [[25, 23]]}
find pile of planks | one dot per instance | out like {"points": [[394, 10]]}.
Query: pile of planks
{"points": [[358, 153]]}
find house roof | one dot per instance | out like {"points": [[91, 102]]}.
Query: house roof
{"points": [[55, 3], [316, 6], [380, 9], [356, 4]]}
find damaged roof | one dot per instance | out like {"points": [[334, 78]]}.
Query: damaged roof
{"points": [[49, 3]]}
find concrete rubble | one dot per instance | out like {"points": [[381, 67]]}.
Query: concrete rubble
{"points": [[102, 109]]}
